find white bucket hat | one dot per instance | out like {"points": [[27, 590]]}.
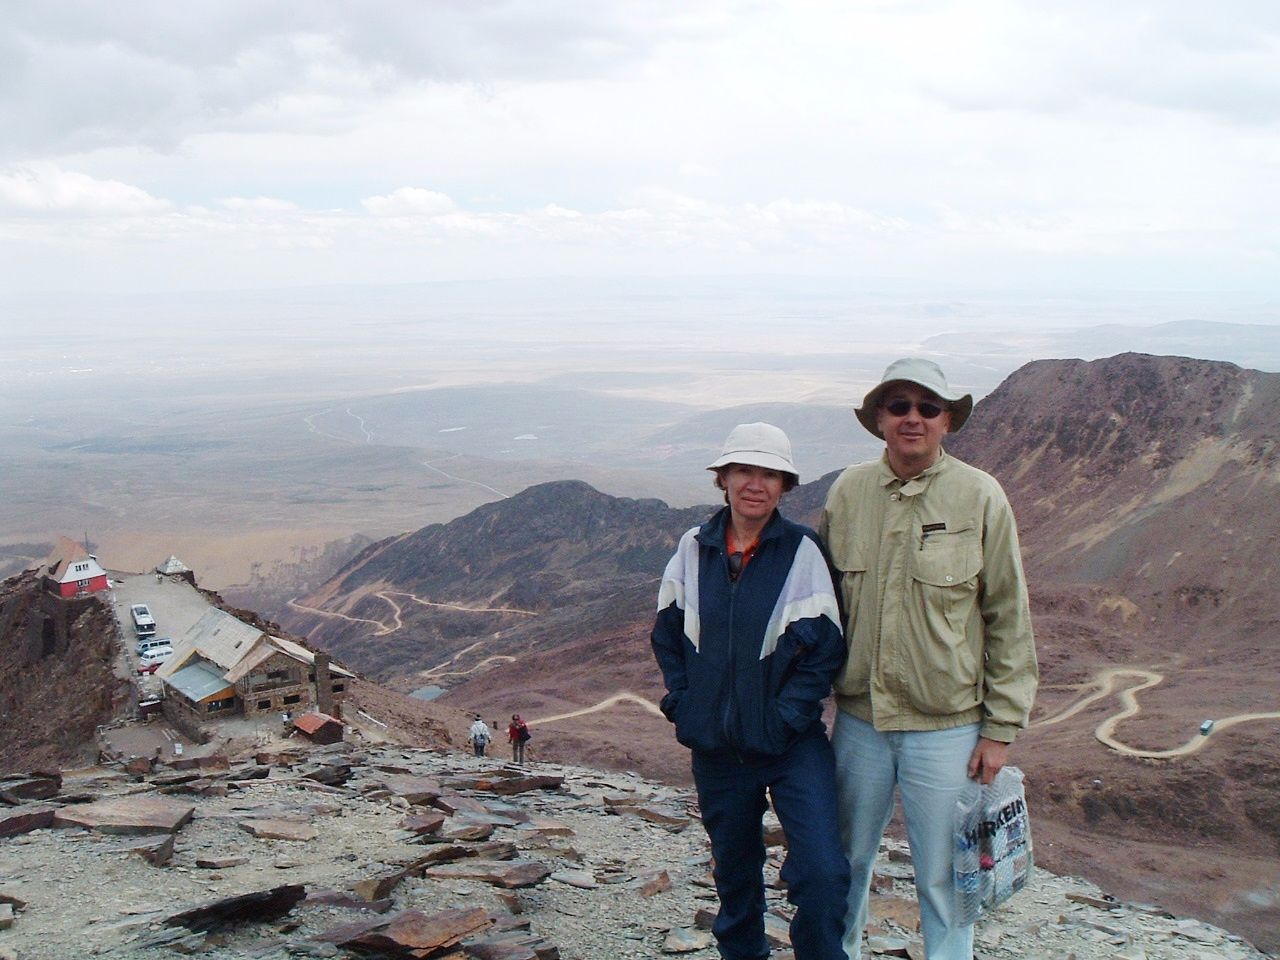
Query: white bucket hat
{"points": [[923, 373], [757, 445]]}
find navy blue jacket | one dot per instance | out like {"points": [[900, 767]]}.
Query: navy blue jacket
{"points": [[747, 664]]}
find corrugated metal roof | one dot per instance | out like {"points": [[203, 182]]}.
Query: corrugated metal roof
{"points": [[199, 681], [217, 637], [173, 565], [299, 652], [58, 563], [259, 656], [309, 723]]}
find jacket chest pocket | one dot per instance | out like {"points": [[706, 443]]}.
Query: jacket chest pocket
{"points": [[946, 568], [948, 559]]}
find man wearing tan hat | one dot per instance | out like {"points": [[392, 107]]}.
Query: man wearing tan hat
{"points": [[941, 669]]}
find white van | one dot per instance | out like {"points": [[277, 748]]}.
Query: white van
{"points": [[153, 643], [143, 622], [150, 661]]}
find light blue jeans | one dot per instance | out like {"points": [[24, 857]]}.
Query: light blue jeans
{"points": [[929, 768]]}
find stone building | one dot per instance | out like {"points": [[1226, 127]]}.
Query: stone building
{"points": [[223, 667]]}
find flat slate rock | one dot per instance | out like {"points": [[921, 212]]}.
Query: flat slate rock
{"points": [[515, 785], [215, 761], [219, 863], [663, 818], [138, 815], [652, 882], [451, 803], [466, 832], [18, 820], [157, 851], [416, 790], [500, 873], [686, 941], [279, 830], [429, 821], [414, 933], [260, 906], [38, 785], [546, 827], [576, 878]]}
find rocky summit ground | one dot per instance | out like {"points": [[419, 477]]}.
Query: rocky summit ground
{"points": [[359, 849]]}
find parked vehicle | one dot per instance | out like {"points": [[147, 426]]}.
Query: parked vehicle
{"points": [[150, 661], [143, 623], [153, 643]]}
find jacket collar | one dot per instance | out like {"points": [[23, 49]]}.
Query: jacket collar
{"points": [[917, 483], [711, 533]]}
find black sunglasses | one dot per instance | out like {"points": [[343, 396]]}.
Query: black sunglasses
{"points": [[901, 406]]}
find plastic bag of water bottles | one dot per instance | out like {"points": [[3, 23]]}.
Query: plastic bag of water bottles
{"points": [[992, 859]]}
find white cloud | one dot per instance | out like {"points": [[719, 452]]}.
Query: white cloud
{"points": [[258, 204], [49, 190], [409, 202]]}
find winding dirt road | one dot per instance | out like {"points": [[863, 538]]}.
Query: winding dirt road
{"points": [[1105, 684], [396, 610]]}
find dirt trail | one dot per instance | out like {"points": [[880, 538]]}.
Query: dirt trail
{"points": [[382, 630], [623, 697], [456, 606], [1105, 683], [439, 670]]}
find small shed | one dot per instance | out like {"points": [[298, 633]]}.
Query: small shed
{"points": [[319, 727], [173, 567]]}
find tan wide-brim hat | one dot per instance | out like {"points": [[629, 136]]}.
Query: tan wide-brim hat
{"points": [[758, 445], [923, 373]]}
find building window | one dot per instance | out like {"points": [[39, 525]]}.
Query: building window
{"points": [[278, 675], [292, 698], [264, 704], [339, 687]]}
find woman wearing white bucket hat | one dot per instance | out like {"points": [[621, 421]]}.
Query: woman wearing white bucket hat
{"points": [[748, 640]]}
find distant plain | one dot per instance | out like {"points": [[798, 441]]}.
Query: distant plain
{"points": [[246, 431]]}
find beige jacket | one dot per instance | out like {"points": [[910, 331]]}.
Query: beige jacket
{"points": [[938, 623]]}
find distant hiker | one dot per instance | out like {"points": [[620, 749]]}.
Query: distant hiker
{"points": [[942, 663], [479, 736], [748, 639], [517, 736]]}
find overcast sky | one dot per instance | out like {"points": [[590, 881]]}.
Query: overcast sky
{"points": [[1042, 145]]}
